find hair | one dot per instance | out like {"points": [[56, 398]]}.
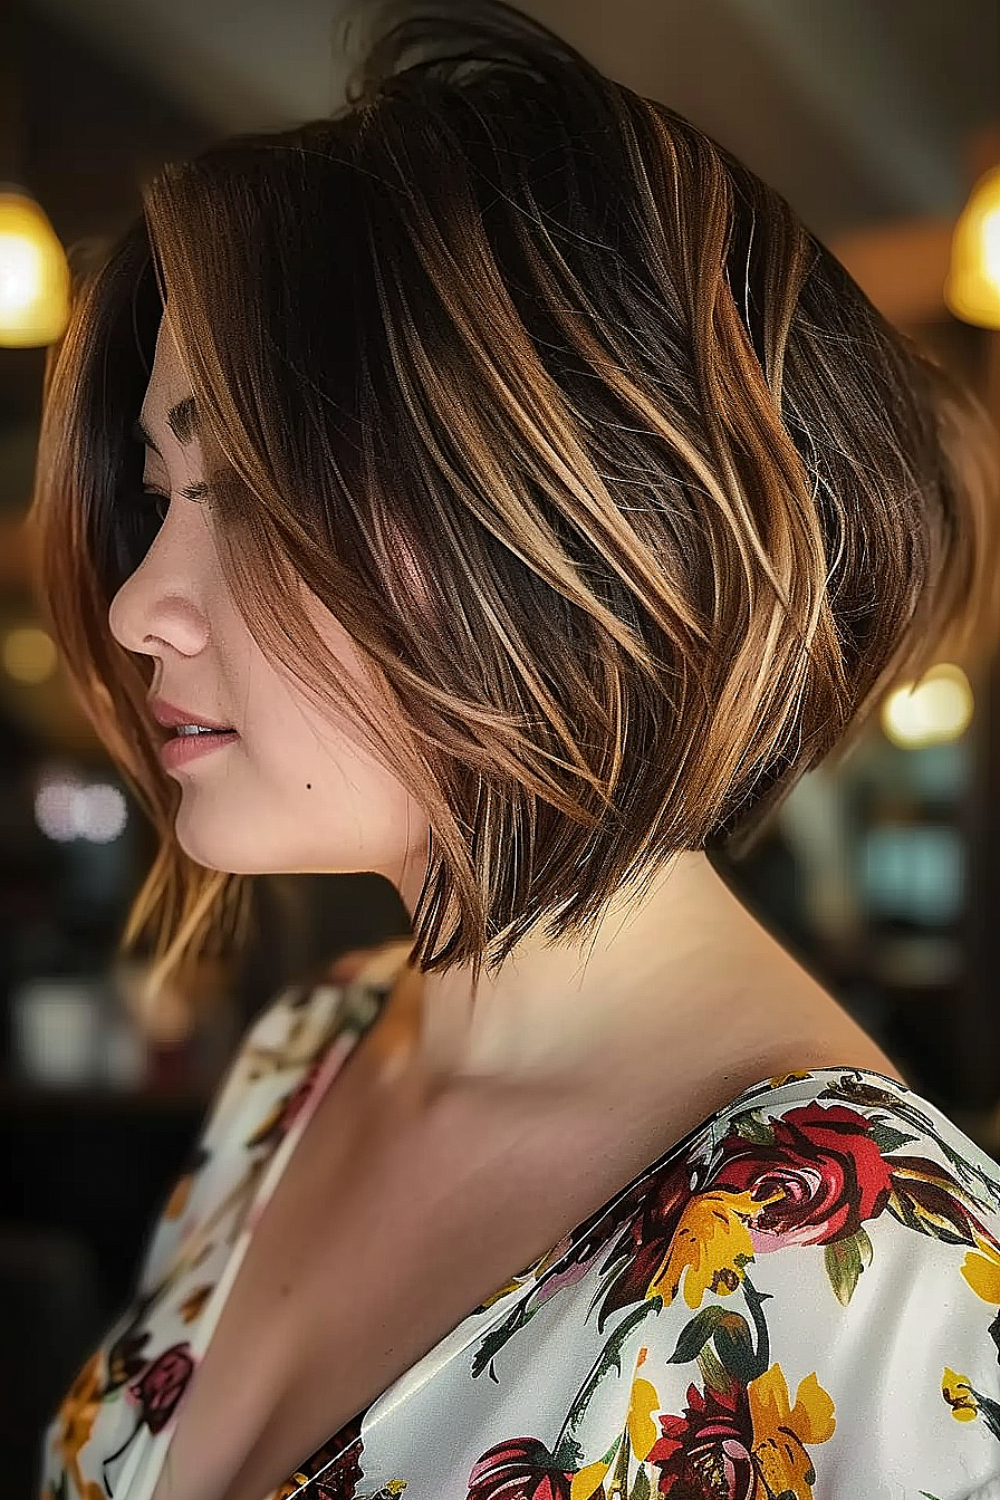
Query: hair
{"points": [[631, 501]]}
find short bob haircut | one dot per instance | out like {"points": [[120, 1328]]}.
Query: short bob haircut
{"points": [[631, 501]]}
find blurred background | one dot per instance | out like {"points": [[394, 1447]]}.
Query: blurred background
{"points": [[880, 122]]}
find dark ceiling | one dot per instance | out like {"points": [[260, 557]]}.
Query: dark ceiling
{"points": [[859, 111]]}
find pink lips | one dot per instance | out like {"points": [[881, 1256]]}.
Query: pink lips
{"points": [[181, 748], [170, 716]]}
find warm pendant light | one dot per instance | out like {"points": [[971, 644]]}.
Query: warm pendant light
{"points": [[34, 273], [972, 287]]}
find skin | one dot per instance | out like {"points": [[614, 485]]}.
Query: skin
{"points": [[501, 1120]]}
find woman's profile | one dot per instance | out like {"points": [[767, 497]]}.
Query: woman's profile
{"points": [[495, 486]]}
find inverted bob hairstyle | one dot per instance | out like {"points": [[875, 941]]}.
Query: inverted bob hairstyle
{"points": [[632, 503]]}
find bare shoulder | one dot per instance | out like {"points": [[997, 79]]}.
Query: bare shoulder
{"points": [[776, 1019]]}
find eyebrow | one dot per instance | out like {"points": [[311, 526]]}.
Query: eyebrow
{"points": [[182, 420]]}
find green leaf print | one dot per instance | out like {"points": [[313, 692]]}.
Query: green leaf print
{"points": [[609, 1356], [696, 1334], [845, 1260], [494, 1341], [753, 1127], [989, 1410], [887, 1139], [641, 1487], [735, 1349], [964, 1170], [569, 1455]]}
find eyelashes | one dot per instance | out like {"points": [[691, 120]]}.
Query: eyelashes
{"points": [[159, 503], [196, 492]]}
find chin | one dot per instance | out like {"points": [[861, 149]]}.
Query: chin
{"points": [[218, 845]]}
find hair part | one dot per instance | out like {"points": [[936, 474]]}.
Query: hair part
{"points": [[632, 503]]}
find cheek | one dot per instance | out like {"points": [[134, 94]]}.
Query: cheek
{"points": [[309, 772], [313, 765], [299, 797]]}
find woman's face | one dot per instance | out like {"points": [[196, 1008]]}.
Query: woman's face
{"points": [[292, 793]]}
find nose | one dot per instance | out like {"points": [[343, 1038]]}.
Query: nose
{"points": [[157, 609]]}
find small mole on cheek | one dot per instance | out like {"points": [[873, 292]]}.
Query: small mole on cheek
{"points": [[308, 786]]}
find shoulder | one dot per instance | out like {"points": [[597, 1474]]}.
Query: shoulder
{"points": [[809, 1291]]}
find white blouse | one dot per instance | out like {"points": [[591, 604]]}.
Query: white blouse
{"points": [[800, 1300]]}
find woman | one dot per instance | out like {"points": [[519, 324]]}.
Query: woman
{"points": [[520, 496]]}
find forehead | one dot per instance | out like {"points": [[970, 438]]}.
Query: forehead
{"points": [[168, 381]]}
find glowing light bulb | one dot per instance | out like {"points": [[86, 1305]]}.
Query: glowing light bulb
{"points": [[972, 287], [34, 275], [28, 654], [932, 711]]}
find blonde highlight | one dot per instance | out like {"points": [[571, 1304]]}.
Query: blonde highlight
{"points": [[629, 529]]}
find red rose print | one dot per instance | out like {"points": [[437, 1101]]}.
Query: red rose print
{"points": [[520, 1469], [830, 1174], [162, 1385], [652, 1228], [340, 1479], [706, 1453], [823, 1163]]}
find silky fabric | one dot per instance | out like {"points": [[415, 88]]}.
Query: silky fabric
{"points": [[799, 1300]]}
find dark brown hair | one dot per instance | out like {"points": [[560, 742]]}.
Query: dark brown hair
{"points": [[631, 501]]}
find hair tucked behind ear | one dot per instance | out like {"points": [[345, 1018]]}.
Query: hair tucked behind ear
{"points": [[631, 501]]}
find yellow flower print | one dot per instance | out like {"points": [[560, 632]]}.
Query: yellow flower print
{"points": [[957, 1391], [194, 1302], [640, 1429], [504, 1291], [780, 1434], [643, 1401], [981, 1269], [76, 1419], [712, 1244], [290, 1487], [585, 1482], [179, 1196], [79, 1409]]}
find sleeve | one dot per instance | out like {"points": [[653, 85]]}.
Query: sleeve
{"points": [[814, 1298]]}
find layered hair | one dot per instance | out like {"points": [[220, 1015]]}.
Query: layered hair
{"points": [[631, 501]]}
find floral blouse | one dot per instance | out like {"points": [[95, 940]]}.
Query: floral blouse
{"points": [[800, 1300]]}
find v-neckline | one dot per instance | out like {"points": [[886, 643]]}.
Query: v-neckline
{"points": [[355, 1006], [475, 1325], [344, 1005]]}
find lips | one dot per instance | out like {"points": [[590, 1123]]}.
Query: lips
{"points": [[173, 717], [183, 749]]}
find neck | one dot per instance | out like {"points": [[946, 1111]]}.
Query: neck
{"points": [[561, 1013]]}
